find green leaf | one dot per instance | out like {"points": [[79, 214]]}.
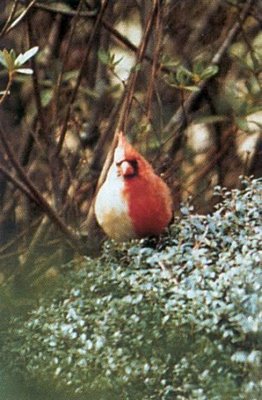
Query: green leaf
{"points": [[198, 68], [104, 57], [210, 119], [170, 79], [209, 71], [23, 58], [12, 54], [242, 124], [46, 96], [192, 88], [183, 75], [25, 71], [9, 58]]}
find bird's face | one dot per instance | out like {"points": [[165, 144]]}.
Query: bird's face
{"points": [[127, 169], [126, 162]]}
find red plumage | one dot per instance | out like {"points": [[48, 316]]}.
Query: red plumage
{"points": [[133, 202]]}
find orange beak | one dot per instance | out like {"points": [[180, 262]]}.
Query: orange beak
{"points": [[126, 169]]}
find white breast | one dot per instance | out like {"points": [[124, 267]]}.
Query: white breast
{"points": [[111, 208]]}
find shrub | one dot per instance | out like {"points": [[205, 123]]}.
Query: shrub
{"points": [[178, 318]]}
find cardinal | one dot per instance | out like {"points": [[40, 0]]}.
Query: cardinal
{"points": [[133, 202]]}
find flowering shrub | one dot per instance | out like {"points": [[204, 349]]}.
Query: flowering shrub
{"points": [[179, 318]]}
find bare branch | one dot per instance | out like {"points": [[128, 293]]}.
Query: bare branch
{"points": [[65, 57], [46, 7], [177, 122], [155, 64], [80, 74], [134, 73], [9, 19], [35, 195], [106, 24], [37, 94], [17, 184]]}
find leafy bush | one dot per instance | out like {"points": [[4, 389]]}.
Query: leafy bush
{"points": [[175, 319]]}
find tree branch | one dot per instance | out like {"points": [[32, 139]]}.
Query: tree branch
{"points": [[65, 57], [178, 122], [27, 187], [9, 25], [92, 14], [80, 75]]}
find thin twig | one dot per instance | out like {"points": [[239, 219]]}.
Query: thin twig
{"points": [[9, 19], [18, 237], [133, 76], [71, 13], [157, 48], [53, 160], [35, 242], [34, 4], [7, 89], [80, 75], [35, 195], [106, 24], [178, 121], [65, 57], [19, 18], [11, 178], [37, 92]]}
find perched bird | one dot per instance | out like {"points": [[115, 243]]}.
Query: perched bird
{"points": [[133, 202]]}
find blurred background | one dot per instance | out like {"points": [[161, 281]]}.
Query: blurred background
{"points": [[182, 78]]}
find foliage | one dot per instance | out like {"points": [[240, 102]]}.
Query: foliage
{"points": [[12, 65], [181, 78], [184, 79], [176, 318]]}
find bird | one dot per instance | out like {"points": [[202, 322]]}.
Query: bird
{"points": [[133, 202]]}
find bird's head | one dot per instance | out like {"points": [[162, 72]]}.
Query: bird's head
{"points": [[128, 161]]}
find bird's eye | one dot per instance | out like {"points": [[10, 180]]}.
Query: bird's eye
{"points": [[128, 168]]}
